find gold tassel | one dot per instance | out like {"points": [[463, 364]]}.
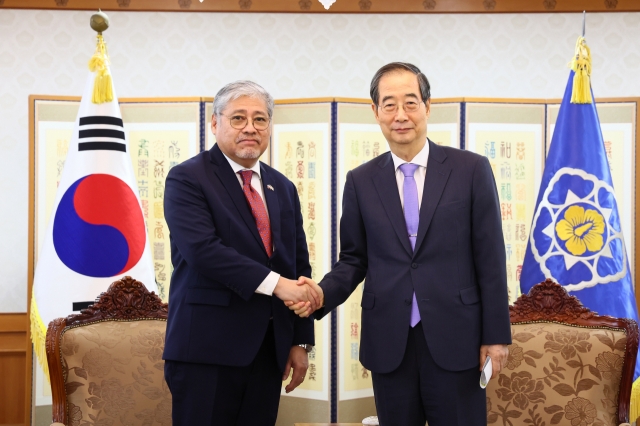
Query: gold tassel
{"points": [[581, 64], [39, 337], [102, 86], [634, 409]]}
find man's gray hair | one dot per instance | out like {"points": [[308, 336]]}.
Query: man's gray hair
{"points": [[238, 89]]}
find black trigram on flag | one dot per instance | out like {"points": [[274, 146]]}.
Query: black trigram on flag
{"points": [[94, 136]]}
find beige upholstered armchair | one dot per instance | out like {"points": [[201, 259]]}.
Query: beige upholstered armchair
{"points": [[566, 366], [106, 364]]}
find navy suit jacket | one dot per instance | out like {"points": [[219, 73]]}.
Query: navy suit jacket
{"points": [[457, 269], [215, 316]]}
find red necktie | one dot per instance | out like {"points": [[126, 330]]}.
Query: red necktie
{"points": [[257, 209]]}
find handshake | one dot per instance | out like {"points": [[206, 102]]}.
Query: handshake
{"points": [[303, 297]]}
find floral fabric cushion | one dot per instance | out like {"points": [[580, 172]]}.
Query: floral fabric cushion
{"points": [[558, 374], [114, 374]]}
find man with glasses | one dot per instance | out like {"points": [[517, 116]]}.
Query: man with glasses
{"points": [[421, 225], [237, 245]]}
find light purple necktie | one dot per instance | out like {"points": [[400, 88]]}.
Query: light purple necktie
{"points": [[412, 218]]}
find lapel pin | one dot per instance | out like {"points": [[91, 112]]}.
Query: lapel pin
{"points": [[270, 187]]}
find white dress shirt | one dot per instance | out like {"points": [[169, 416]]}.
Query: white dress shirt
{"points": [[420, 159], [269, 283]]}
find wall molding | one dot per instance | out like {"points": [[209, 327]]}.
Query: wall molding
{"points": [[341, 6]]}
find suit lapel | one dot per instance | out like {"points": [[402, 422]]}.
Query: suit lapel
{"points": [[230, 182], [273, 205], [387, 187], [434, 183]]}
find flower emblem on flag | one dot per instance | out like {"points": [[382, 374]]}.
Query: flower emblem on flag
{"points": [[581, 230], [576, 229]]}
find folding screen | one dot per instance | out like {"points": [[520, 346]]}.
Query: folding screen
{"points": [[315, 142], [511, 134]]}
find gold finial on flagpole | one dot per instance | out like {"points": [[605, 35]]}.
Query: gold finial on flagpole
{"points": [[99, 21], [99, 63]]}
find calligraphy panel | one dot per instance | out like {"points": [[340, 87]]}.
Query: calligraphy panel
{"points": [[357, 144], [359, 141], [301, 150], [161, 135], [511, 137], [302, 153]]}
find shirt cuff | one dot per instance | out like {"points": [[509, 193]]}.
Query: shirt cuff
{"points": [[269, 284]]}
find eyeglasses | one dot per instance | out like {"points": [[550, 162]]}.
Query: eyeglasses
{"points": [[239, 122], [409, 106]]}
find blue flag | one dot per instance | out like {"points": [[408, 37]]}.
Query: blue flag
{"points": [[576, 237]]}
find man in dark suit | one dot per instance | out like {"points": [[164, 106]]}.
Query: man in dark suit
{"points": [[421, 225], [237, 244]]}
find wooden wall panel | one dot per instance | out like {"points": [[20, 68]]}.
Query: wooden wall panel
{"points": [[13, 368], [341, 6]]}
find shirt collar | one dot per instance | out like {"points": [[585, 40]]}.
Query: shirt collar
{"points": [[420, 159], [238, 168]]}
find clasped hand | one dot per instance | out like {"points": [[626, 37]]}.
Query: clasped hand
{"points": [[303, 296]]}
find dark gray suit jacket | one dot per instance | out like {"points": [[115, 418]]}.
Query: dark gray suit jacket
{"points": [[457, 269]]}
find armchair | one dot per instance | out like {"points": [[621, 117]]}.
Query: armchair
{"points": [[106, 364], [567, 365]]}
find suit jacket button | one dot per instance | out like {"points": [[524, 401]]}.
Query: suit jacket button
{"points": [[414, 265], [407, 301]]}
